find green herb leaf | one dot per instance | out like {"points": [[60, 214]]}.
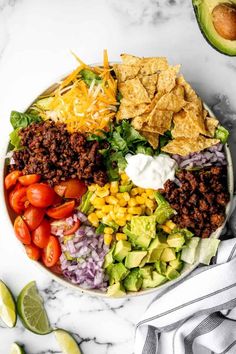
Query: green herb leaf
{"points": [[222, 134], [22, 120], [15, 139], [89, 76]]}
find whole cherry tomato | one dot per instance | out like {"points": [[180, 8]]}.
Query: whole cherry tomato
{"points": [[40, 195], [17, 198], [33, 252], [52, 252], [29, 179], [73, 188], [12, 178], [33, 217], [40, 236], [61, 211], [21, 231]]}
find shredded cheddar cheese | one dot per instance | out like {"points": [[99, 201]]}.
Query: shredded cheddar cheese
{"points": [[82, 107]]}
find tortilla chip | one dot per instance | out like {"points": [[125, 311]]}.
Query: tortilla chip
{"points": [[125, 72], [151, 66], [139, 121], [190, 94], [133, 91], [184, 146], [150, 83], [170, 102], [152, 138], [183, 126], [211, 125], [158, 121], [167, 79], [129, 59], [195, 115], [130, 111]]}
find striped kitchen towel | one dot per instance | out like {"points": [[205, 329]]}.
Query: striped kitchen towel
{"points": [[198, 314]]}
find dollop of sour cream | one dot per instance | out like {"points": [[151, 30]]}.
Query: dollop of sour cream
{"points": [[150, 171]]}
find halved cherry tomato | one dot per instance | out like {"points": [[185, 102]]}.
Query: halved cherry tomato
{"points": [[62, 211], [29, 179], [40, 195], [40, 236], [56, 268], [72, 229], [21, 231], [52, 252], [17, 199], [73, 188], [33, 217], [57, 200], [33, 252], [12, 178]]}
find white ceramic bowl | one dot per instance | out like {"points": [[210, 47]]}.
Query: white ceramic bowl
{"points": [[187, 268]]}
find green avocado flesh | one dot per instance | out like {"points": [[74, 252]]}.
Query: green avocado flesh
{"points": [[203, 11]]}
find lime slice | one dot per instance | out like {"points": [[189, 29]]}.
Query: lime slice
{"points": [[17, 349], [31, 310], [66, 342], [7, 306]]}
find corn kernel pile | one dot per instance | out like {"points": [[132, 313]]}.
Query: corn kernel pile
{"points": [[111, 205]]}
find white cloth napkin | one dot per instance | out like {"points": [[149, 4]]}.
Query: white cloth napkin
{"points": [[196, 315]]}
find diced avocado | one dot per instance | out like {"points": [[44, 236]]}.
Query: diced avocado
{"points": [[168, 255], [171, 273], [126, 187], [158, 240], [134, 258], [133, 281], [216, 32], [176, 240], [222, 134], [188, 254], [44, 103], [146, 271], [116, 290], [117, 272], [163, 211], [140, 241], [155, 280], [161, 267], [144, 225], [155, 254], [144, 261], [176, 264], [121, 250], [108, 260]]}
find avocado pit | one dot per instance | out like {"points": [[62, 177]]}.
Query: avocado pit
{"points": [[224, 20]]}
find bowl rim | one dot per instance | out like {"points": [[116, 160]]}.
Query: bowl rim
{"points": [[94, 292]]}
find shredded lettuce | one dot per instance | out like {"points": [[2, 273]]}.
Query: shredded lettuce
{"points": [[85, 204], [222, 133], [207, 249], [188, 254], [89, 76]]}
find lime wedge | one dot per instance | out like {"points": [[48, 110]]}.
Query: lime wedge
{"points": [[17, 349], [31, 310], [7, 306], [66, 342]]}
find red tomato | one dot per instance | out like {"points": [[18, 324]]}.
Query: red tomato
{"points": [[17, 199], [29, 179], [21, 231], [57, 200], [72, 229], [33, 252], [52, 252], [61, 211], [40, 195], [40, 236], [73, 188], [33, 217], [12, 178], [56, 268]]}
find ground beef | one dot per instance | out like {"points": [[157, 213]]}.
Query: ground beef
{"points": [[51, 151], [199, 199]]}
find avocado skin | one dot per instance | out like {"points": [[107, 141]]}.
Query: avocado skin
{"points": [[195, 8]]}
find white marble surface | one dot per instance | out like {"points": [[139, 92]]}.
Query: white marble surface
{"points": [[36, 37]]}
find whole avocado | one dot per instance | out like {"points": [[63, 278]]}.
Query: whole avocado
{"points": [[217, 22]]}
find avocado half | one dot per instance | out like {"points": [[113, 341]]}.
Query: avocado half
{"points": [[203, 12]]}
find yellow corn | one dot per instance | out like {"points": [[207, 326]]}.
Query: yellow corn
{"points": [[92, 198], [144, 195], [150, 193], [135, 210], [93, 219], [107, 208], [102, 192], [140, 200], [111, 200], [148, 211], [170, 224], [114, 187], [92, 187], [122, 202], [126, 196], [107, 239], [108, 230], [124, 177], [98, 202], [166, 229], [132, 202], [121, 236], [150, 203], [128, 217], [99, 213], [134, 191], [120, 221], [106, 219]]}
